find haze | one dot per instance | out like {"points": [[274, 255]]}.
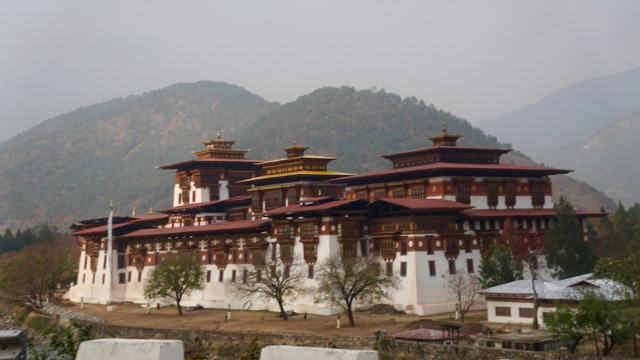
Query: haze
{"points": [[474, 59]]}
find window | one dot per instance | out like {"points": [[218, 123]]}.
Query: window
{"points": [[245, 276], [273, 199], [429, 242], [389, 269], [221, 276], [403, 268], [292, 196], [398, 192], [326, 192], [452, 267], [103, 277], [492, 196], [214, 194], [235, 257], [525, 312], [417, 192], [363, 247], [104, 266], [462, 193], [233, 276], [139, 276], [83, 277], [93, 280], [310, 275], [208, 276], [256, 203], [470, 266], [180, 198], [85, 262], [287, 271], [503, 311], [129, 277], [193, 199], [432, 268], [245, 256], [510, 195], [403, 247], [362, 195], [121, 262], [379, 194], [537, 194], [121, 278], [467, 245]]}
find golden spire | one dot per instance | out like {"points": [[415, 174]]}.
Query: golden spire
{"points": [[150, 210], [444, 129], [219, 137], [295, 143], [111, 202]]}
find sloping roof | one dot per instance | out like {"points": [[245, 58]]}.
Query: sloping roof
{"points": [[314, 199], [522, 287], [572, 280], [435, 204], [318, 207], [423, 334], [188, 230], [207, 203], [453, 166], [611, 290], [100, 229], [295, 173], [447, 148], [207, 161]]}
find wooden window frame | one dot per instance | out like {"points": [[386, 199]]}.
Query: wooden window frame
{"points": [[310, 273], [526, 313], [432, 268], [221, 276], [470, 269], [452, 267], [510, 195], [418, 192], [403, 269], [463, 193], [504, 311], [403, 246], [389, 269], [122, 278], [208, 276], [492, 196], [129, 276], [233, 275]]}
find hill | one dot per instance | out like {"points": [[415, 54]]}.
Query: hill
{"points": [[71, 166], [608, 159], [355, 126], [568, 115]]}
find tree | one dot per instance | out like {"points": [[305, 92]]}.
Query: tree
{"points": [[498, 266], [272, 279], [529, 249], [463, 288], [175, 277], [568, 322], [342, 280], [604, 224], [30, 274], [567, 250], [602, 319]]}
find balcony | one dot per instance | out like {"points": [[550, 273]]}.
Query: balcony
{"points": [[388, 249], [308, 232], [221, 259], [310, 253]]}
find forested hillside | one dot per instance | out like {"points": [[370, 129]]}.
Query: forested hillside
{"points": [[355, 126], [608, 159], [70, 167], [568, 115]]}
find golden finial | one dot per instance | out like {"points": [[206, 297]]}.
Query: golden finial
{"points": [[111, 202], [294, 143], [444, 129], [319, 192], [219, 137], [150, 210]]}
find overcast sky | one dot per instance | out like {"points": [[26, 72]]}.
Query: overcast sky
{"points": [[476, 59]]}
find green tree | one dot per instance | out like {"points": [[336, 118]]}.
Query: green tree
{"points": [[567, 250], [175, 277], [342, 280], [565, 321], [603, 319], [604, 224], [498, 266], [620, 216]]}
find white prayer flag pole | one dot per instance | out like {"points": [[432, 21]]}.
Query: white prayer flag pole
{"points": [[109, 251]]}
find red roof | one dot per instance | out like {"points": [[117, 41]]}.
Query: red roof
{"points": [[149, 217], [207, 203], [314, 199], [448, 148], [303, 208], [423, 334], [424, 203], [185, 230], [100, 229], [452, 166], [520, 213], [209, 160]]}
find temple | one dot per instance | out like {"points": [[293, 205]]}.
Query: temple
{"points": [[433, 213]]}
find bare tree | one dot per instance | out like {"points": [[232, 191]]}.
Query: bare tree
{"points": [[272, 279], [175, 277], [463, 288], [30, 275], [343, 280]]}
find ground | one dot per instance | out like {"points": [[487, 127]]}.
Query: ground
{"points": [[257, 321]]}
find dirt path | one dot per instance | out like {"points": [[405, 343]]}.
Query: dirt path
{"points": [[251, 321]]}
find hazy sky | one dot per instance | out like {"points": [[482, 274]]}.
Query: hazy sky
{"points": [[476, 59]]}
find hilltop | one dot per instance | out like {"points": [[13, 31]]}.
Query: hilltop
{"points": [[607, 159], [568, 115]]}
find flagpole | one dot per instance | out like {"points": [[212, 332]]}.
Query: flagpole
{"points": [[109, 252]]}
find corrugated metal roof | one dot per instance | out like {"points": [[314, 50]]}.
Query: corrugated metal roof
{"points": [[573, 280], [186, 230], [522, 287], [524, 213]]}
